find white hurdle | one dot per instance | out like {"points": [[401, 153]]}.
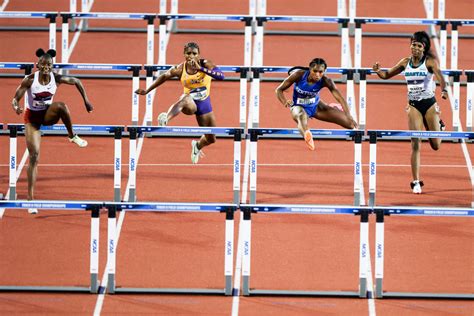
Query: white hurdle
{"points": [[398, 134]]}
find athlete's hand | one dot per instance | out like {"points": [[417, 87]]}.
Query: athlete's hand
{"points": [[356, 126], [89, 106], [376, 67], [194, 63], [444, 94], [288, 103], [140, 92], [16, 107]]}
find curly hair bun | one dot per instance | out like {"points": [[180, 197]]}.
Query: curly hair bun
{"points": [[40, 52]]}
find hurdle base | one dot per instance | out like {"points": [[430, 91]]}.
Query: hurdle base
{"points": [[12, 195], [304, 293], [372, 199], [228, 285], [76, 289], [415, 295], [136, 290]]}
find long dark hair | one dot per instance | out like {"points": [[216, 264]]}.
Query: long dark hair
{"points": [[424, 38], [314, 62]]}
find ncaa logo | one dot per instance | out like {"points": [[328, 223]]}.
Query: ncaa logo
{"points": [[12, 162]]}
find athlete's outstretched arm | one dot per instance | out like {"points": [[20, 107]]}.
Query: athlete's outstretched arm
{"points": [[212, 70], [395, 70], [170, 73]]}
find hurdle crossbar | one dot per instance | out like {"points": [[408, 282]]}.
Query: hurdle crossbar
{"points": [[102, 130], [95, 208], [381, 213], [343, 22], [33, 15], [356, 135], [135, 131], [469, 99], [228, 209], [364, 212], [400, 134]]}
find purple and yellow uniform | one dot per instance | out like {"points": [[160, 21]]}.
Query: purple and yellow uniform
{"points": [[198, 87], [306, 95]]}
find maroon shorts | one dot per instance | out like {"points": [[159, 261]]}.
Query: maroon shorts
{"points": [[34, 117]]}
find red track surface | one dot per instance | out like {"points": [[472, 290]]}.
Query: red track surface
{"points": [[185, 250]]}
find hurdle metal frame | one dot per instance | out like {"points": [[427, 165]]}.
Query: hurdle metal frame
{"points": [[469, 99], [398, 134], [381, 213], [150, 69], [248, 209], [58, 129], [235, 132], [356, 135], [95, 208], [228, 209]]}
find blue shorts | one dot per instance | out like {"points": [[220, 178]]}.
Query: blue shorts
{"points": [[309, 109], [203, 106]]}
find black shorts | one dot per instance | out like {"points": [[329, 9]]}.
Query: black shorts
{"points": [[423, 105]]}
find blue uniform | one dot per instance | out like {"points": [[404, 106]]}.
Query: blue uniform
{"points": [[306, 95]]}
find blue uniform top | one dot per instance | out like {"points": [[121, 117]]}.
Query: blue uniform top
{"points": [[306, 94]]}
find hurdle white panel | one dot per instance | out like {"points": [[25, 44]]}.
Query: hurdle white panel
{"points": [[237, 167], [150, 42], [13, 164], [246, 231], [229, 254], [94, 249], [52, 35], [358, 169], [258, 48], [135, 99], [149, 102], [243, 98], [350, 96], [254, 105], [362, 100], [261, 7], [253, 167], [345, 50], [454, 48], [469, 99], [163, 43], [163, 6], [352, 9], [65, 41], [379, 253], [443, 38], [248, 43], [132, 167], [111, 250], [456, 103], [117, 165], [441, 9], [364, 253], [252, 7], [341, 9], [372, 168], [358, 46]]}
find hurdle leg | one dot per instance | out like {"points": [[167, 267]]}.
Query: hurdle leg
{"points": [[237, 164], [246, 232], [13, 162], [94, 249], [357, 167], [372, 167], [132, 170], [229, 250], [379, 253], [111, 254], [117, 164], [363, 253], [253, 166]]}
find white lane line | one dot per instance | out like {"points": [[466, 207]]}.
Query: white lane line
{"points": [[103, 284]]}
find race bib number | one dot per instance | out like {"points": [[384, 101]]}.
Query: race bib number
{"points": [[305, 101], [198, 93]]}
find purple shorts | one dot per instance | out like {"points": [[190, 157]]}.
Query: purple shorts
{"points": [[203, 106]]}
